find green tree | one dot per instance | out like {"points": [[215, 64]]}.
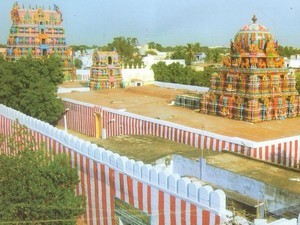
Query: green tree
{"points": [[178, 53], [30, 86], [176, 73], [78, 63], [214, 55], [190, 53], [126, 48], [287, 51], [151, 45], [161, 72], [81, 48], [36, 186]]}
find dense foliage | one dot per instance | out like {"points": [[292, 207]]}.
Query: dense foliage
{"points": [[30, 86], [176, 73], [126, 48], [81, 48], [188, 52], [287, 51], [78, 63], [36, 186]]}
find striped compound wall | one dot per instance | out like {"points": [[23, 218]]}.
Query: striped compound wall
{"points": [[117, 187], [285, 151]]}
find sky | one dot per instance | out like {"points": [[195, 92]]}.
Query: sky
{"points": [[167, 22]]}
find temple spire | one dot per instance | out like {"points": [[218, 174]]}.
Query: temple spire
{"points": [[254, 19]]}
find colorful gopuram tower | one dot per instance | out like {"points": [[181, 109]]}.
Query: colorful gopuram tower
{"points": [[37, 32], [253, 84], [106, 70]]}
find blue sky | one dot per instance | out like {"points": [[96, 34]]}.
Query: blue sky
{"points": [[168, 22]]}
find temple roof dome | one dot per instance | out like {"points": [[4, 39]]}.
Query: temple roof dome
{"points": [[253, 27], [253, 38]]}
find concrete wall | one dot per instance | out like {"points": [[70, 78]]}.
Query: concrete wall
{"points": [[181, 86], [104, 175], [186, 167], [274, 198]]}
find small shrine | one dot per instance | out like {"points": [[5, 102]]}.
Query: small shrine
{"points": [[253, 84], [105, 72], [38, 32]]}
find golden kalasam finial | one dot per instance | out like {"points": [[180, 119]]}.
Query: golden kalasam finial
{"points": [[254, 19]]}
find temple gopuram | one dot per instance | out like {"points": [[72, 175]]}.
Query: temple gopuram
{"points": [[252, 85], [105, 72], [38, 33]]}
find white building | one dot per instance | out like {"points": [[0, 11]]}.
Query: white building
{"points": [[130, 76], [294, 62], [153, 59]]}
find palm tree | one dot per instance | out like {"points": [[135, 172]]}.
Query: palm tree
{"points": [[190, 53]]}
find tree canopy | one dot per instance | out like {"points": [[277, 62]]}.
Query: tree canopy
{"points": [[78, 63], [177, 73], [126, 48], [287, 51], [30, 86], [36, 186]]}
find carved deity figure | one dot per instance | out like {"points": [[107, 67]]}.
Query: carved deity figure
{"points": [[245, 63], [224, 111], [226, 61], [238, 45], [279, 62], [238, 101], [15, 14], [253, 61], [253, 48], [236, 62], [261, 63], [270, 47], [270, 63]]}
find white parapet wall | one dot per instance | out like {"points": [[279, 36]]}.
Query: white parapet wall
{"points": [[108, 175], [182, 86]]}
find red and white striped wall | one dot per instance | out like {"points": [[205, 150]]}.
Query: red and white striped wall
{"points": [[284, 151], [104, 176]]}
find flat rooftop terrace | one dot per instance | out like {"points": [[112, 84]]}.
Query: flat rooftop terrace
{"points": [[277, 176], [154, 102]]}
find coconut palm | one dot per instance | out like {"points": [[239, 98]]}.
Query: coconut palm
{"points": [[190, 53]]}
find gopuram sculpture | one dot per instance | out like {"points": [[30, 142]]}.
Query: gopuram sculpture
{"points": [[38, 32], [253, 84]]}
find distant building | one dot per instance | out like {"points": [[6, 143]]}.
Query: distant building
{"points": [[38, 33], [153, 59], [200, 57], [105, 72], [85, 58], [294, 62]]}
